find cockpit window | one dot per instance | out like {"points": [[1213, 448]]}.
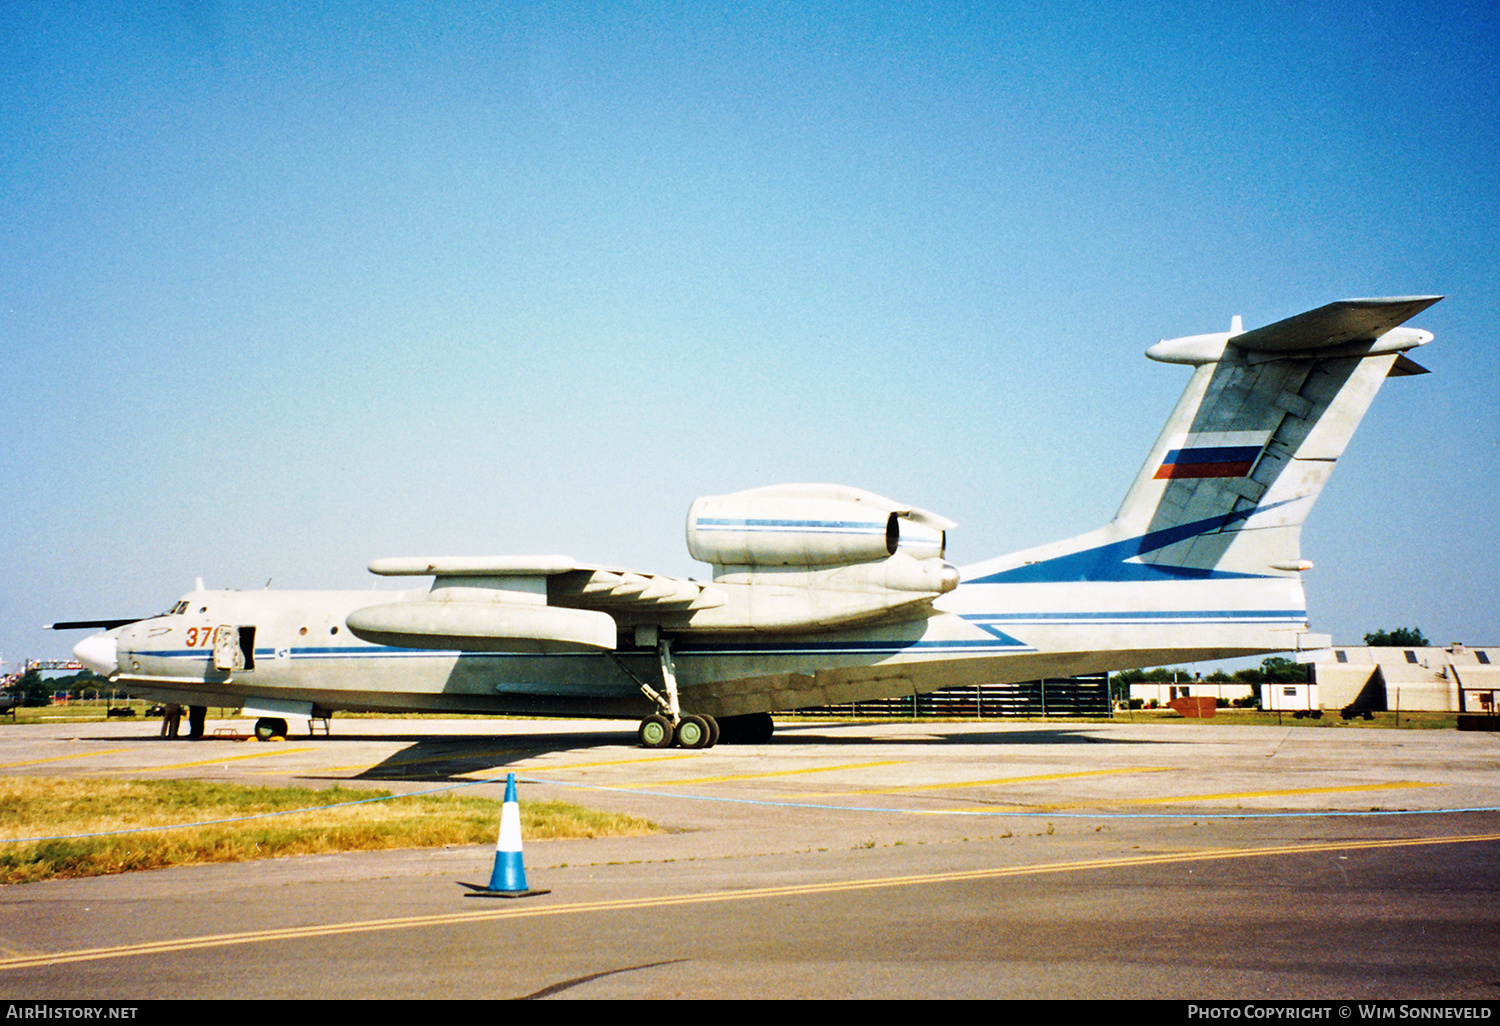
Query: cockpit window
{"points": [[179, 608]]}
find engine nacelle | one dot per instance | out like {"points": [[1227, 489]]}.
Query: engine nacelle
{"points": [[811, 525]]}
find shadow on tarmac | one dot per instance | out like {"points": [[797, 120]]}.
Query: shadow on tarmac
{"points": [[441, 758], [933, 734]]}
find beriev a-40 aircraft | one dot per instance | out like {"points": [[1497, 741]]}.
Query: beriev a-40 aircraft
{"points": [[823, 594]]}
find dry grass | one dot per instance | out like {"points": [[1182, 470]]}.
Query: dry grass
{"points": [[69, 809], [1421, 720]]}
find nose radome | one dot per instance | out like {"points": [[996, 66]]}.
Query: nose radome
{"points": [[100, 653]]}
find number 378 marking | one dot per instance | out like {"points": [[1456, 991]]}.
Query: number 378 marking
{"points": [[200, 637]]}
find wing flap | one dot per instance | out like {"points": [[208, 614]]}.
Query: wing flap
{"points": [[622, 591]]}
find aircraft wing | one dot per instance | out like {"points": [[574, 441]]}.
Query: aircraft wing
{"points": [[568, 582], [522, 603], [1348, 320]]}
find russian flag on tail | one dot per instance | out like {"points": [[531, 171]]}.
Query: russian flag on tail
{"points": [[1212, 454]]}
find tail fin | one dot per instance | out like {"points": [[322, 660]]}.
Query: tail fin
{"points": [[1253, 439]]}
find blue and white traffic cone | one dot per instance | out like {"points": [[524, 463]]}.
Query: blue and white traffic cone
{"points": [[508, 880]]}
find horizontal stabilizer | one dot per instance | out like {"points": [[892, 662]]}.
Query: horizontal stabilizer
{"points": [[1346, 321], [1406, 366]]}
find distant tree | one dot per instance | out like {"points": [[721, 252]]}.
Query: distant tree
{"points": [[33, 689], [1119, 683], [1401, 637], [76, 683], [1280, 670], [38, 690], [1274, 670]]}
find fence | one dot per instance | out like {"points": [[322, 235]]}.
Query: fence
{"points": [[1087, 695]]}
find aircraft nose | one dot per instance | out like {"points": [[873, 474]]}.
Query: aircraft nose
{"points": [[100, 653]]}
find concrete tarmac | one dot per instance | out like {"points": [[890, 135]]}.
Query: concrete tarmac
{"points": [[989, 859]]}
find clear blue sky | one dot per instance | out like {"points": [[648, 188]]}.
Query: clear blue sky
{"points": [[287, 288]]}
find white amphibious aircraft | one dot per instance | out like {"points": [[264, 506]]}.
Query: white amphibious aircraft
{"points": [[823, 594]]}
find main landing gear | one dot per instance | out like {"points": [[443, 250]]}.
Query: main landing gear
{"points": [[670, 727], [691, 731]]}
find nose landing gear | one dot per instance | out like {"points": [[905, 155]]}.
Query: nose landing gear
{"points": [[268, 727]]}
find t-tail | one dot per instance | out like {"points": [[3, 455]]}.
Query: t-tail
{"points": [[1254, 438]]}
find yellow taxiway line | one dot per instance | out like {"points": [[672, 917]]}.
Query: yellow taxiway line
{"points": [[1184, 799], [670, 900], [997, 782], [221, 760], [773, 773], [583, 765], [60, 758]]}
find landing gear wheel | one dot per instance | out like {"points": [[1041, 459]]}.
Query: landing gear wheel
{"points": [[692, 732], [267, 728], [713, 731], [655, 732]]}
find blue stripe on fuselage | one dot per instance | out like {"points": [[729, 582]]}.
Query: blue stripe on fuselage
{"points": [[1110, 562], [849, 526], [1148, 616]]}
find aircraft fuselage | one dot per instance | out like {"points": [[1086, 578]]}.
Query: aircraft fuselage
{"points": [[296, 647]]}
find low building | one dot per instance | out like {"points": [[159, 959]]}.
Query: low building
{"points": [[1452, 679], [1289, 697], [1163, 691]]}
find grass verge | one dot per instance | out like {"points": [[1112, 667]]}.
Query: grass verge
{"points": [[66, 808], [1419, 720]]}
